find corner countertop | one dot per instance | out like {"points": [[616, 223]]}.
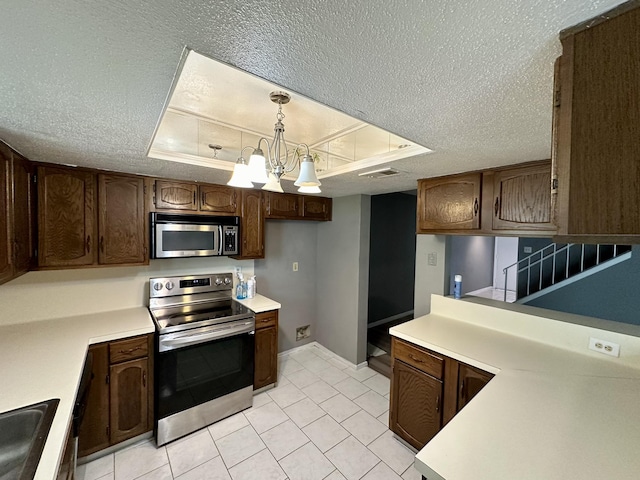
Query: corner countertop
{"points": [[44, 360], [260, 304], [554, 410]]}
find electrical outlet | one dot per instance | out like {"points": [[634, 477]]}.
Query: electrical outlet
{"points": [[432, 259], [604, 346], [295, 266], [303, 332], [528, 249], [236, 271]]}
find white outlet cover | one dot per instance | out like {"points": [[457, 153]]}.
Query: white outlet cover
{"points": [[604, 346]]}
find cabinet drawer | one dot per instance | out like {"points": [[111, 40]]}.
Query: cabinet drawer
{"points": [[128, 349], [266, 319], [418, 358]]}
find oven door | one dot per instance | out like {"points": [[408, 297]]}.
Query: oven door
{"points": [[197, 366], [186, 240]]}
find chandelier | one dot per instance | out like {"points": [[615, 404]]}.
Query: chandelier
{"points": [[278, 161]]}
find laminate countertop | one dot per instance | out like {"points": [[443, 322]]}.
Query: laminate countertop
{"points": [[554, 410], [260, 304]]}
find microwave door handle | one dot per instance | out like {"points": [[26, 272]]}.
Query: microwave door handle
{"points": [[220, 239]]}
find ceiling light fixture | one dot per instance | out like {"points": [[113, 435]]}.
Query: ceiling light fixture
{"points": [[241, 175], [270, 169]]}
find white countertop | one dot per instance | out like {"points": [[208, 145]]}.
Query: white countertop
{"points": [[551, 412], [260, 303], [44, 360]]}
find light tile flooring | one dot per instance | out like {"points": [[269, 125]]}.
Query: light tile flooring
{"points": [[495, 294], [325, 420]]}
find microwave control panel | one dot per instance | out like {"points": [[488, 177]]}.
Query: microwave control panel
{"points": [[229, 240]]}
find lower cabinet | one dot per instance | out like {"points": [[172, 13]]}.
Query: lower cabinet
{"points": [[266, 349], [427, 390], [120, 396]]}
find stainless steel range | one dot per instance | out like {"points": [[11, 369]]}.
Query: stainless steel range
{"points": [[204, 353]]}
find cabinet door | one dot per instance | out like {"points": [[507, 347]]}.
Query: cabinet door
{"points": [[416, 405], [176, 195], [66, 212], [23, 214], [316, 208], [470, 382], [522, 198], [6, 263], [252, 228], [266, 357], [121, 220], [129, 399], [94, 430], [598, 127], [449, 203], [282, 205], [220, 199]]}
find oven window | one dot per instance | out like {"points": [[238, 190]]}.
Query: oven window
{"points": [[194, 375], [175, 241]]}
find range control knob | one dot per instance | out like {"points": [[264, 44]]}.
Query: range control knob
{"points": [[157, 286], [218, 281], [169, 285], [227, 281]]}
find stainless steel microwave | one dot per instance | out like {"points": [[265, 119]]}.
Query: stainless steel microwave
{"points": [[193, 235]]}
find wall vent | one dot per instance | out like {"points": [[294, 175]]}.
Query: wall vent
{"points": [[380, 173]]}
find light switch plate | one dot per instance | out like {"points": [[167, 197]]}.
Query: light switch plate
{"points": [[432, 259], [528, 249]]}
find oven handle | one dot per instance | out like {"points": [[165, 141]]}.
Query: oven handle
{"points": [[196, 338]]}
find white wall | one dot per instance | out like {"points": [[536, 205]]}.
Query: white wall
{"points": [[60, 293], [287, 242], [429, 279], [342, 280]]}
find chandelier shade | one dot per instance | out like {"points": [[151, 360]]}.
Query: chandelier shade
{"points": [[240, 177]]}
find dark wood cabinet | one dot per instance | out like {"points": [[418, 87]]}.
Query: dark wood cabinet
{"points": [[522, 198], [120, 397], [597, 127], [6, 260], [220, 199], [427, 390], [470, 381], [23, 214], [266, 349], [122, 220], [66, 217], [282, 205], [175, 195], [449, 203], [316, 208], [252, 225]]}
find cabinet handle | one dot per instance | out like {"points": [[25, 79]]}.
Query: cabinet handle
{"points": [[194, 197], [102, 243], [88, 243], [144, 378], [130, 351], [415, 359], [438, 404], [475, 208], [497, 206], [461, 387], [202, 202]]}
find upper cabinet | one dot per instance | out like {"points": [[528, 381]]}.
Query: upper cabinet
{"points": [[252, 225], [194, 197], [175, 195], [514, 200], [449, 203], [290, 206], [596, 146], [220, 199], [88, 219], [316, 208], [16, 214]]}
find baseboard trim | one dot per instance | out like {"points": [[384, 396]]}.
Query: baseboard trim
{"points": [[326, 352], [389, 319]]}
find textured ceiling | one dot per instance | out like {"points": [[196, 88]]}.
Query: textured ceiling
{"points": [[85, 82]]}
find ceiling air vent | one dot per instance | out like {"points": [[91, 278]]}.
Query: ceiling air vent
{"points": [[380, 173]]}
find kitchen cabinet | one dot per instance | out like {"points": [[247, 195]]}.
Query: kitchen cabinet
{"points": [[316, 208], [252, 225], [66, 217], [122, 220], [6, 260], [175, 195], [427, 390], [220, 199], [266, 349], [522, 198], [86, 219], [470, 381], [120, 399], [67, 462], [449, 203], [416, 394], [596, 129], [284, 206]]}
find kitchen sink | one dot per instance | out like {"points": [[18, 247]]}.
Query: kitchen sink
{"points": [[23, 432]]}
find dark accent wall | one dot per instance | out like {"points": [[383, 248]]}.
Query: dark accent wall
{"points": [[392, 255], [612, 294], [471, 257]]}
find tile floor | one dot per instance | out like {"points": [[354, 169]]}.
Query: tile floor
{"points": [[325, 420]]}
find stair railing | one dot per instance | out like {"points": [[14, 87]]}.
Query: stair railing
{"points": [[551, 251]]}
